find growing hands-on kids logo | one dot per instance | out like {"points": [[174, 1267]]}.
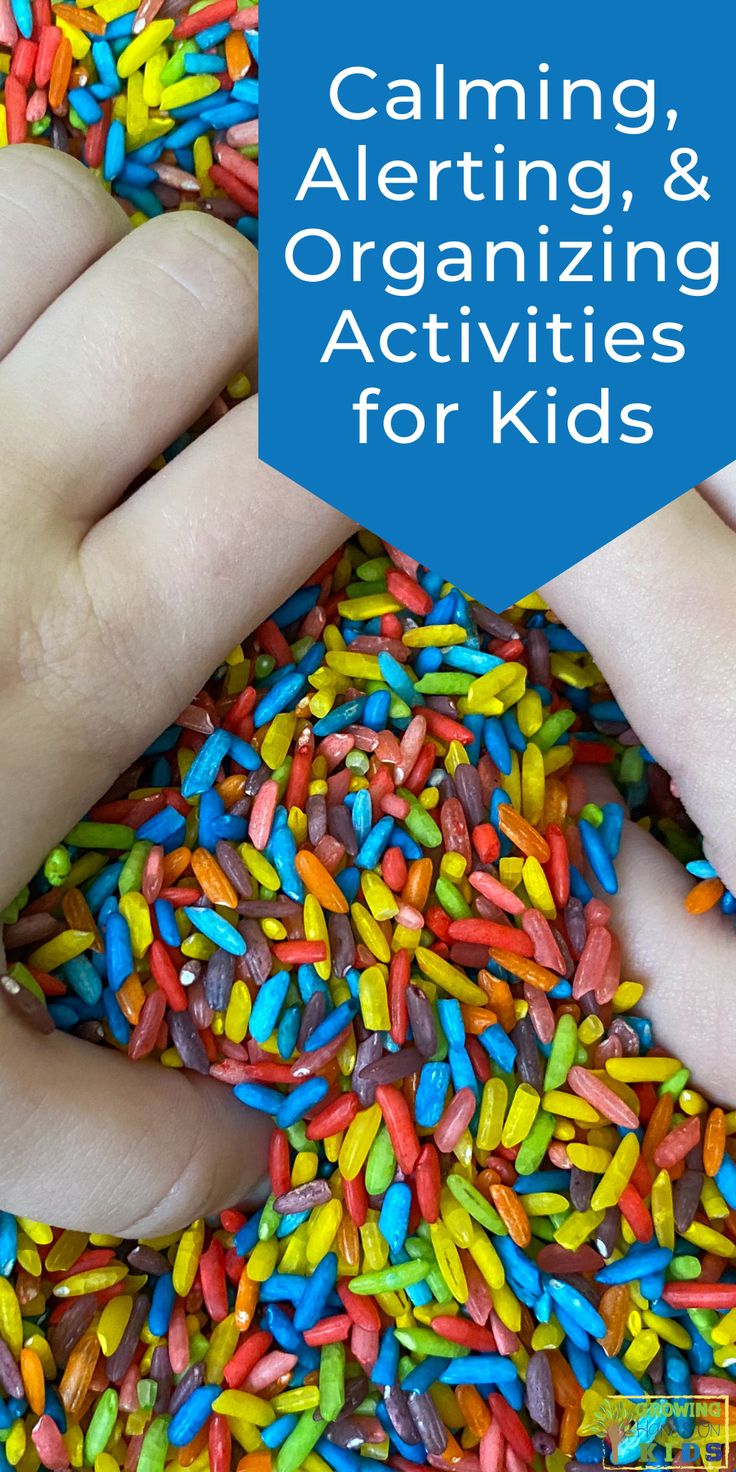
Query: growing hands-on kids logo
{"points": [[651, 1430]]}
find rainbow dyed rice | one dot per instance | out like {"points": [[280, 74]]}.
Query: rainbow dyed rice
{"points": [[495, 1203], [158, 98], [354, 882]]}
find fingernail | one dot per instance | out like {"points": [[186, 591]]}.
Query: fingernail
{"points": [[25, 1006]]}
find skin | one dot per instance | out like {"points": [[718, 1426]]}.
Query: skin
{"points": [[115, 612], [667, 652], [113, 616]]}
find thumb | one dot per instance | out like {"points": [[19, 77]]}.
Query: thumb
{"points": [[687, 965], [93, 1141]]}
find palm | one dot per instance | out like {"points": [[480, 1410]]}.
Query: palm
{"points": [[657, 608]]}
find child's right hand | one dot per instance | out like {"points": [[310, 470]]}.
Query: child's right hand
{"points": [[113, 616], [657, 609]]}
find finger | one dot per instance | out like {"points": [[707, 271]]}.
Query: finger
{"points": [[128, 358], [686, 964], [93, 1141], [657, 609], [212, 544], [170, 582], [54, 222], [720, 493]]}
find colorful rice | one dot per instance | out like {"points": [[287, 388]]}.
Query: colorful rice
{"points": [[355, 882]]}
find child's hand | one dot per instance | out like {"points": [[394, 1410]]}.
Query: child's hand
{"points": [[113, 616], [657, 609], [116, 614]]}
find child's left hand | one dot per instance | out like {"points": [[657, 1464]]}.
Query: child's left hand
{"points": [[113, 615]]}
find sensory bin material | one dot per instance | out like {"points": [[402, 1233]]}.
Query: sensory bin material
{"points": [[160, 98], [358, 883]]}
